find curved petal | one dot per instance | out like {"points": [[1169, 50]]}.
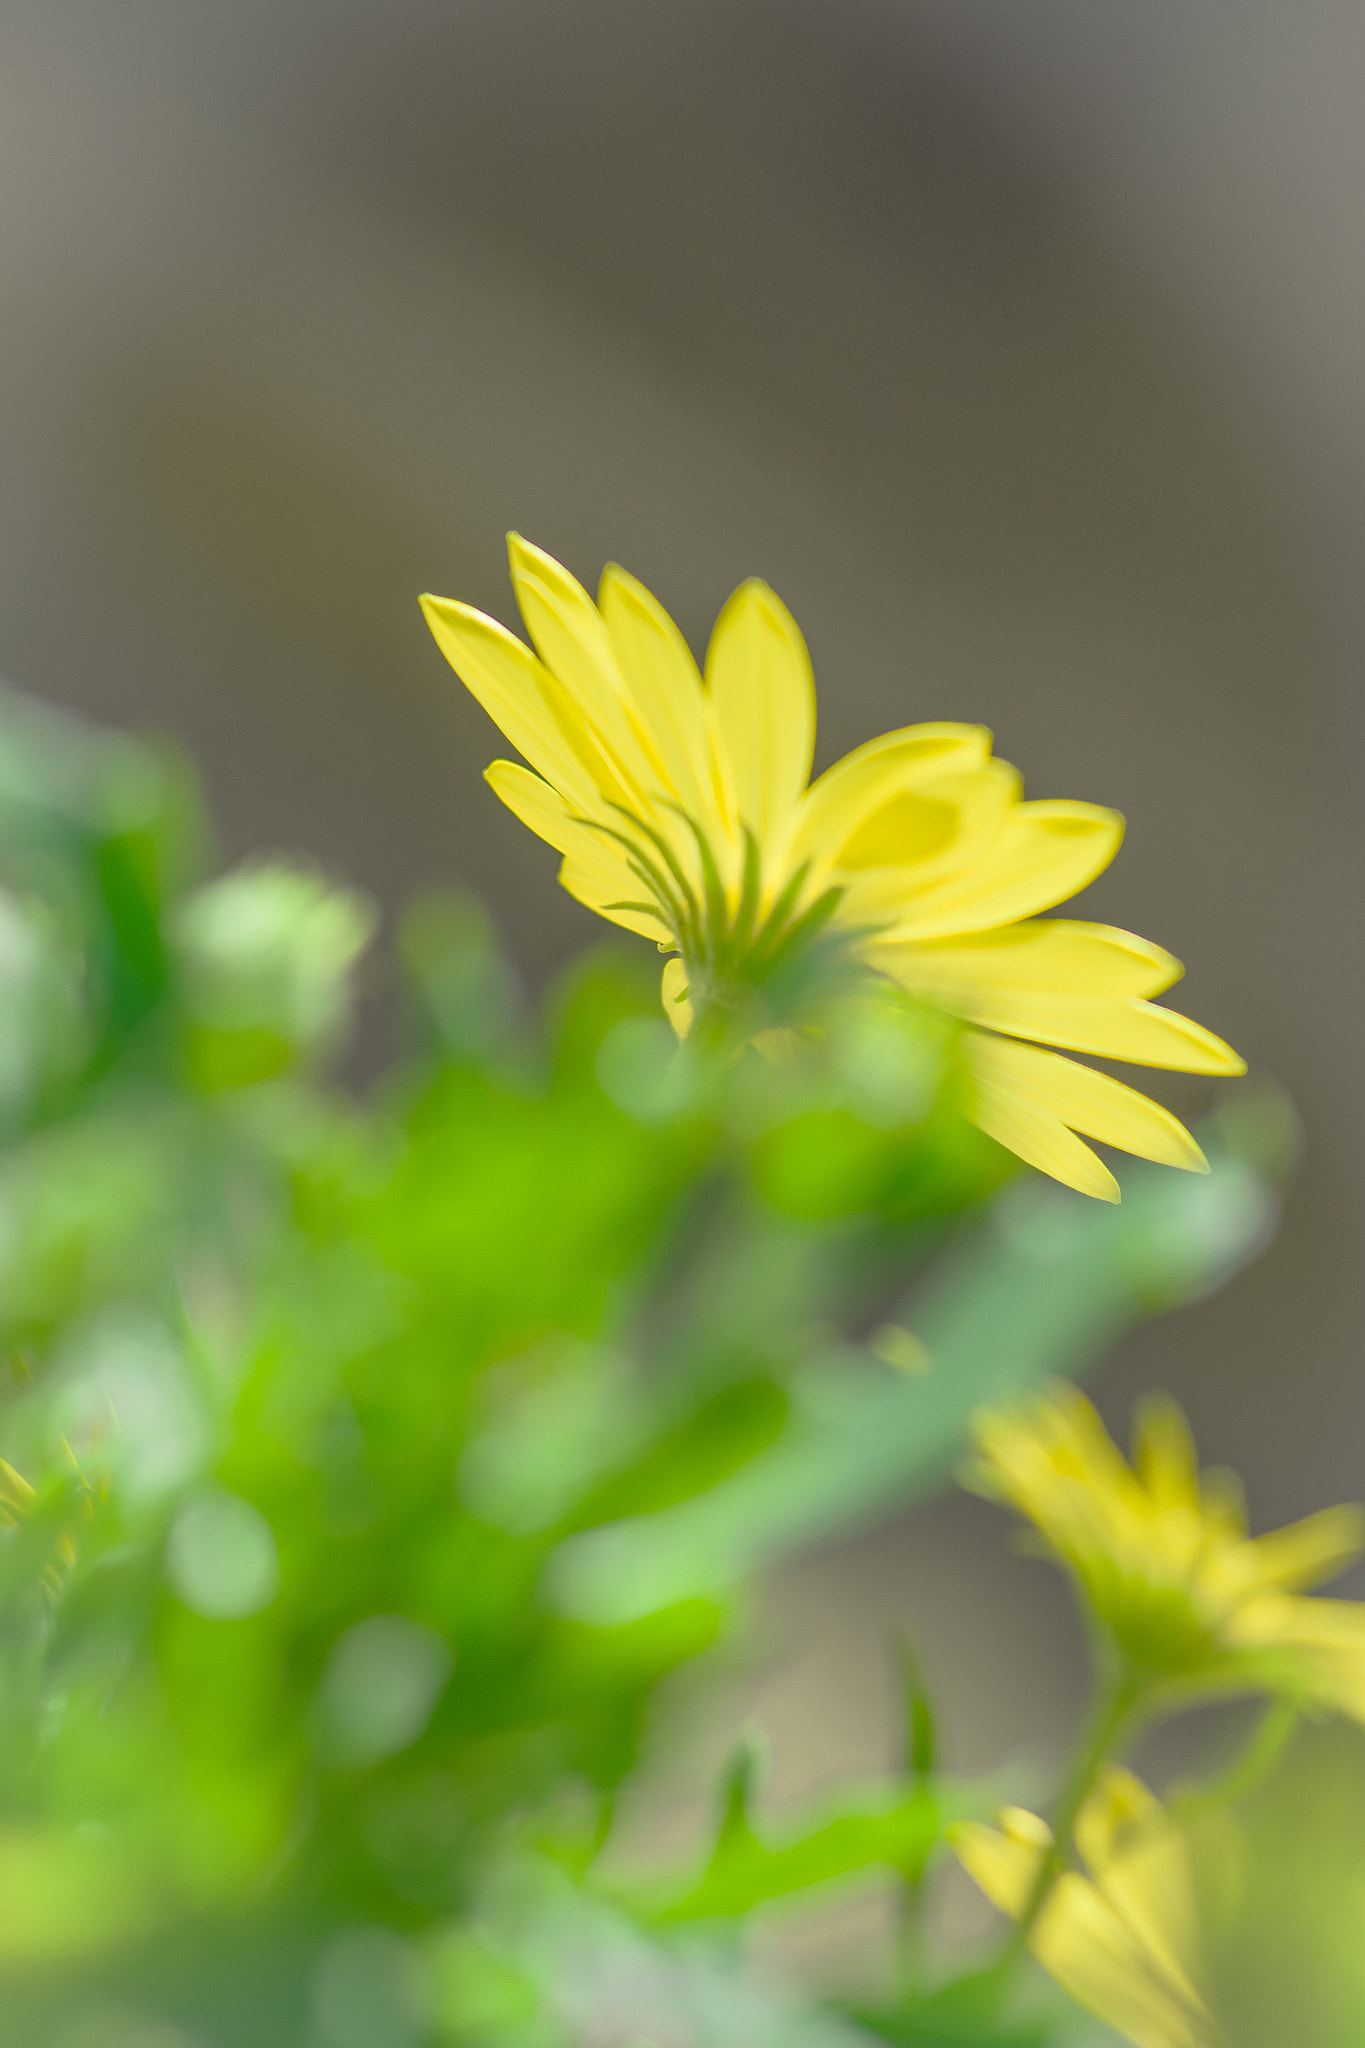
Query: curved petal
{"points": [[1095, 1104], [588, 886], [1003, 1864], [847, 794], [759, 680], [969, 980], [1164, 1458], [596, 869], [574, 644], [503, 674], [916, 837], [1144, 1033], [1107, 1967], [542, 808], [663, 686], [673, 992], [1045, 853], [1030, 1129], [1043, 957], [1310, 1551]]}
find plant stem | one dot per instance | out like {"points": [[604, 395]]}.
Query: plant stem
{"points": [[1112, 1710], [1250, 1767]]}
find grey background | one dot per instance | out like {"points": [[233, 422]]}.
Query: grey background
{"points": [[1020, 346]]}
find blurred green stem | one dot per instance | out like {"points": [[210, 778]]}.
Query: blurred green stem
{"points": [[1113, 1712], [920, 1763], [1249, 1768]]}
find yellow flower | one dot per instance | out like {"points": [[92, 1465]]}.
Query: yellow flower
{"points": [[682, 811], [1164, 1561], [1123, 1939]]}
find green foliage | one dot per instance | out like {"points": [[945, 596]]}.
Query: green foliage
{"points": [[385, 1454]]}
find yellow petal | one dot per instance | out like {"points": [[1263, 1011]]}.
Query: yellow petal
{"points": [[758, 675], [1324, 1641], [673, 990], [1145, 1033], [1008, 1112], [1082, 1099], [596, 870], [663, 686], [575, 646], [1044, 853], [912, 836], [846, 795], [1085, 1944], [588, 886], [503, 674], [1118, 1804], [544, 810], [1142, 1870], [1003, 1864], [1310, 1551], [1118, 1952], [1050, 956], [1060, 983], [1164, 1457]]}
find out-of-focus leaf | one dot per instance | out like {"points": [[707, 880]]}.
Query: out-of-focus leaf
{"points": [[1046, 1284]]}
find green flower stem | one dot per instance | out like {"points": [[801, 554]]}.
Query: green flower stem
{"points": [[920, 1768], [1250, 1767], [1113, 1713]]}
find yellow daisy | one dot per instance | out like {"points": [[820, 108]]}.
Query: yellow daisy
{"points": [[683, 810], [1122, 1939], [1163, 1559]]}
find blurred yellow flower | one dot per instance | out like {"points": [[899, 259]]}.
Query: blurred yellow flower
{"points": [[18, 1499], [682, 810], [1123, 1939], [1163, 1558]]}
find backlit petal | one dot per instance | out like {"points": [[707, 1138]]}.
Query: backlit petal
{"points": [[663, 686], [1045, 956], [587, 884], [1144, 1033], [847, 794], [575, 646], [504, 675], [1034, 1133], [916, 836], [758, 675], [1045, 853], [1005, 981], [1084, 1100], [596, 868], [544, 810]]}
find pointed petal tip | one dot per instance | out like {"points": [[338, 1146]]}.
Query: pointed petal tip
{"points": [[524, 558]]}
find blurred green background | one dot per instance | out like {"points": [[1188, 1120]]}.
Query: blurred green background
{"points": [[1017, 346]]}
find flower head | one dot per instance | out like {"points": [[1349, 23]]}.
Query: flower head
{"points": [[682, 810], [1163, 1559], [1122, 1939]]}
